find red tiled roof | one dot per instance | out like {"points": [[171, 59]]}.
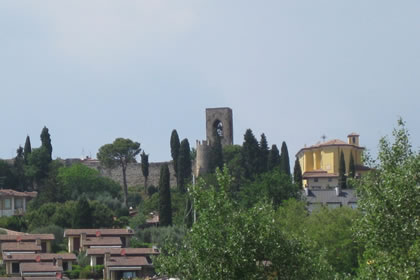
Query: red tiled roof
{"points": [[10, 192], [127, 261], [102, 241], [20, 246], [318, 174], [40, 267], [334, 142], [32, 257], [103, 232], [117, 251], [26, 237]]}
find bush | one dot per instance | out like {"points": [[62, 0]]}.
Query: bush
{"points": [[160, 235], [151, 190], [58, 243]]}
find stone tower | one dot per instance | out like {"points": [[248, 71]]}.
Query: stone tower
{"points": [[218, 122]]}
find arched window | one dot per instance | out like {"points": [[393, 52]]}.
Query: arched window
{"points": [[218, 128]]}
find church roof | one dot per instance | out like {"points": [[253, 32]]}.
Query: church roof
{"points": [[334, 142]]}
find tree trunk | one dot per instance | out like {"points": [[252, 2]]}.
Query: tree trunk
{"points": [[125, 185]]}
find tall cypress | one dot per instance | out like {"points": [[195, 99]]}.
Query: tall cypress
{"points": [[250, 154], [264, 153], [165, 206], [82, 216], [352, 167], [284, 159], [342, 172], [184, 165], [297, 173], [27, 150], [46, 142], [19, 164], [273, 157], [175, 145], [145, 167]]}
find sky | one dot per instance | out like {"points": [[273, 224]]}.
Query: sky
{"points": [[92, 71]]}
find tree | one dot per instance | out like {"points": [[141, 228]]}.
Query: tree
{"points": [[352, 167], [342, 179], [38, 165], [264, 153], [145, 168], [120, 153], [231, 243], [184, 165], [389, 199], [216, 155], [27, 149], [46, 142], [165, 206], [82, 217], [175, 145], [284, 159], [19, 169], [297, 173], [250, 154], [273, 157]]}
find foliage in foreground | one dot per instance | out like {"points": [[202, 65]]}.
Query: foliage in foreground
{"points": [[232, 243]]}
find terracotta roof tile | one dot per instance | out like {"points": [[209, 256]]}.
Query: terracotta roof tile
{"points": [[127, 261], [117, 251], [103, 232], [318, 174], [39, 267], [32, 257], [10, 192], [26, 237], [102, 241], [20, 246]]}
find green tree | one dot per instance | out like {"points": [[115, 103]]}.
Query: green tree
{"points": [[82, 216], [165, 206], [389, 200], [297, 174], [102, 216], [145, 168], [250, 154], [46, 142], [264, 153], [216, 155], [38, 165], [231, 243], [342, 179], [352, 167], [273, 157], [120, 153], [284, 159], [27, 149], [184, 165], [19, 169], [175, 146]]}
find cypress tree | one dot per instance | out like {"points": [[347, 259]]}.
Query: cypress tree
{"points": [[284, 159], [82, 217], [46, 141], [352, 167], [342, 172], [165, 207], [145, 167], [273, 157], [216, 155], [27, 150], [175, 145], [264, 153], [184, 165], [19, 164], [297, 173], [250, 154]]}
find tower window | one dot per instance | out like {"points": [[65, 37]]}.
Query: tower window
{"points": [[354, 140], [218, 128]]}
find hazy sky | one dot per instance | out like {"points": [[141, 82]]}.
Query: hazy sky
{"points": [[92, 71]]}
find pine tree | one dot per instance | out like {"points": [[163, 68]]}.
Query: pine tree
{"points": [[264, 153], [352, 167], [284, 159], [184, 165], [27, 150], [145, 167], [165, 207], [342, 172], [250, 154], [273, 157], [216, 155], [297, 173], [175, 145], [46, 141]]}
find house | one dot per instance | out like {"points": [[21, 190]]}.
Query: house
{"points": [[20, 247], [331, 198], [44, 240], [123, 267], [97, 255], [13, 202], [42, 269], [320, 162], [12, 262], [81, 239]]}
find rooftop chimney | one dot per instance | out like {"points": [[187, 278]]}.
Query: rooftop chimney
{"points": [[306, 190], [38, 241], [337, 191], [60, 261]]}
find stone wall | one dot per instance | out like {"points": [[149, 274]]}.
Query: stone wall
{"points": [[134, 173]]}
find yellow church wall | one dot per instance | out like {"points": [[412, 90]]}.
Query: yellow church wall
{"points": [[327, 160]]}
